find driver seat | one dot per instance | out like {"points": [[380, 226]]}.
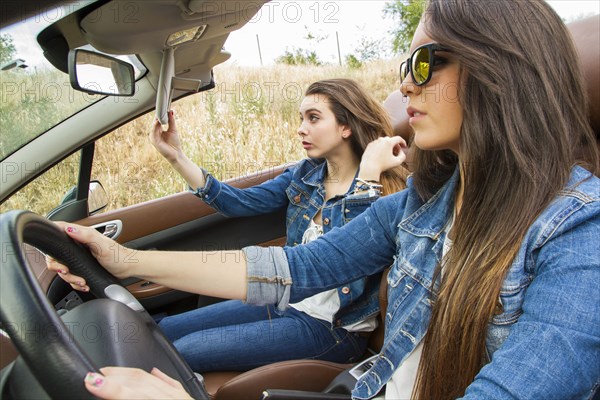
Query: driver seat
{"points": [[305, 375]]}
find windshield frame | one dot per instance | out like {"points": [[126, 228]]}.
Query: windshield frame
{"points": [[37, 95]]}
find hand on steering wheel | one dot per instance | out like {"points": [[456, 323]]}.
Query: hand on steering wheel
{"points": [[110, 254], [120, 383]]}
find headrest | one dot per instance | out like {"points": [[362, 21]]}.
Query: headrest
{"points": [[586, 36], [395, 104]]}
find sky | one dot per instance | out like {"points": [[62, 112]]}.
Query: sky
{"points": [[284, 24]]}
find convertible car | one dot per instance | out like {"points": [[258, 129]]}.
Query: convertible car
{"points": [[125, 59]]}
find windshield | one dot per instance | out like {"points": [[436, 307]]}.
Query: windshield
{"points": [[35, 95]]}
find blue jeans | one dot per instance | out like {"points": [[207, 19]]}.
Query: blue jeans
{"points": [[233, 335]]}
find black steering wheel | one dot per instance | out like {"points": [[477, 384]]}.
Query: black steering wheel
{"points": [[57, 352]]}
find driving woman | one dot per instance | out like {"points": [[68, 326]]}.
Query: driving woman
{"points": [[493, 291]]}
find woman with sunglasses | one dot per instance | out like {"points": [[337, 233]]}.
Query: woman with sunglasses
{"points": [[493, 291]]}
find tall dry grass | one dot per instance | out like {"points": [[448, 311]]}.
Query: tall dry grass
{"points": [[246, 124]]}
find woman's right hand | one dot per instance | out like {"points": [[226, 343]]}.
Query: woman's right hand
{"points": [[166, 142], [121, 383], [116, 259], [168, 145]]}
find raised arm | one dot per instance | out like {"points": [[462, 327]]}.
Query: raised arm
{"points": [[169, 146], [228, 200]]}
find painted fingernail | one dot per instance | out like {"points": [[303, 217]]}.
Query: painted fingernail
{"points": [[71, 229], [96, 380], [85, 289], [61, 271]]}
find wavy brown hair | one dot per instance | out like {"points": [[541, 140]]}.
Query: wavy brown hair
{"points": [[368, 120], [525, 123]]}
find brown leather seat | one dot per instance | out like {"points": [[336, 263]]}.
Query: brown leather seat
{"points": [[396, 104], [308, 375], [313, 375], [586, 35]]}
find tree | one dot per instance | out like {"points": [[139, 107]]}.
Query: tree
{"points": [[299, 57], [408, 14], [366, 50], [353, 62], [7, 49], [302, 56]]}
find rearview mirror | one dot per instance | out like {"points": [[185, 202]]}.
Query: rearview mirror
{"points": [[99, 73]]}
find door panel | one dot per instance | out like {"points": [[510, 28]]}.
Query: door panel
{"points": [[155, 216]]}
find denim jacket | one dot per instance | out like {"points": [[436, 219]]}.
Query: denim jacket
{"points": [[546, 342], [300, 189]]}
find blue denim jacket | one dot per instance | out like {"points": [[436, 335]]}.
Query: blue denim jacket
{"points": [[300, 189], [545, 344]]}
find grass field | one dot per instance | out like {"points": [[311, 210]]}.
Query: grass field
{"points": [[246, 124]]}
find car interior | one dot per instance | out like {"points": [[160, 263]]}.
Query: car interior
{"points": [[54, 335]]}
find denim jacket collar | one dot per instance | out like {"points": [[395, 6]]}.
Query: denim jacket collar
{"points": [[431, 219], [317, 176]]}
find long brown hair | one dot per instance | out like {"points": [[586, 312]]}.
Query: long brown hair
{"points": [[368, 120], [524, 124]]}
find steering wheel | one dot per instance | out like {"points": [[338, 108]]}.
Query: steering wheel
{"points": [[58, 351]]}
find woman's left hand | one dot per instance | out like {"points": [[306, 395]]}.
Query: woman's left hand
{"points": [[121, 383], [76, 282], [380, 155]]}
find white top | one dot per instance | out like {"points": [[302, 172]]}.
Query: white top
{"points": [[326, 304]]}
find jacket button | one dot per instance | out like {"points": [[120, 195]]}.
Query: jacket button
{"points": [[297, 198], [326, 221], [346, 211], [345, 290]]}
